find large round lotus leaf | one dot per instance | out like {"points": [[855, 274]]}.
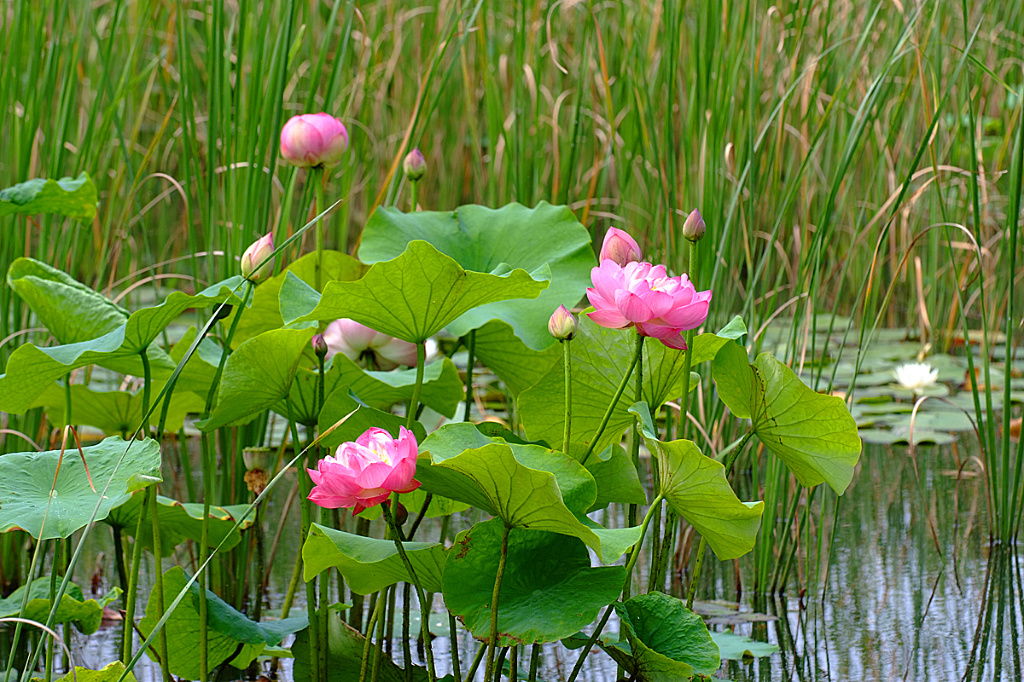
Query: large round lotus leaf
{"points": [[411, 297], [26, 479], [548, 590], [668, 641], [546, 241]]}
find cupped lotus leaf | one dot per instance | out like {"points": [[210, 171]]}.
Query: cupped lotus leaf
{"points": [[345, 647], [30, 370], [517, 365], [668, 641], [257, 375], [546, 241], [27, 478], [548, 590], [412, 297], [70, 310], [441, 390], [264, 313], [71, 197], [232, 636], [614, 541], [600, 358], [181, 521], [454, 439], [369, 564], [707, 345], [112, 672], [493, 478], [86, 614], [813, 434], [114, 412], [696, 488], [341, 404], [616, 478]]}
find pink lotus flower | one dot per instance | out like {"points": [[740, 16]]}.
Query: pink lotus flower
{"points": [[363, 474], [644, 295], [313, 140], [368, 347], [619, 247], [256, 254]]}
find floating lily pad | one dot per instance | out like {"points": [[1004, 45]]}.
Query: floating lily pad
{"points": [[733, 647], [27, 478]]}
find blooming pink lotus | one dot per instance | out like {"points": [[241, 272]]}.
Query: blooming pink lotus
{"points": [[368, 347], [644, 295], [313, 140], [363, 474]]}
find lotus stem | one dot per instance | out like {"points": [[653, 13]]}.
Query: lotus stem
{"points": [[414, 401], [158, 579], [615, 400], [318, 185], [567, 360], [470, 359], [492, 640]]}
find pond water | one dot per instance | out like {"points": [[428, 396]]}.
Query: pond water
{"points": [[913, 591]]}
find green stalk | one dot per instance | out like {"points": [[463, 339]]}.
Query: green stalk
{"points": [[492, 640], [615, 399], [317, 177], [414, 401], [158, 579], [133, 585], [634, 446], [413, 187], [470, 361], [452, 632], [368, 641], [323, 577], [378, 652], [306, 513], [424, 605], [684, 400], [567, 361]]}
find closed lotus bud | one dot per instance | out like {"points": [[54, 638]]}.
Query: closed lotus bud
{"points": [[414, 165], [313, 140], [320, 346], [259, 251], [562, 324], [619, 247], [693, 228]]}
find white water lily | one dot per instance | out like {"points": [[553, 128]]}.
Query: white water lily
{"points": [[916, 376]]}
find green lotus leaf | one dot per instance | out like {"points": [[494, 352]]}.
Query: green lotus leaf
{"points": [[71, 197], [180, 521], [86, 614], [546, 241], [27, 478], [114, 412], [112, 672], [232, 636], [696, 488], [369, 564], [345, 648], [668, 642], [517, 365], [411, 297], [548, 590]]}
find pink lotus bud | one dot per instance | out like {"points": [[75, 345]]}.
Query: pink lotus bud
{"points": [[414, 165], [313, 140], [368, 347], [619, 247], [257, 252], [320, 346], [363, 474], [562, 324], [693, 228]]}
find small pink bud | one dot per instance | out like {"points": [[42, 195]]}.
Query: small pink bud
{"points": [[693, 228], [257, 252], [320, 345], [313, 140], [414, 165], [562, 324], [619, 247]]}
